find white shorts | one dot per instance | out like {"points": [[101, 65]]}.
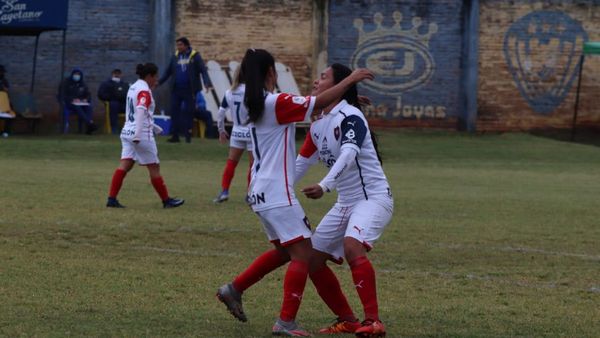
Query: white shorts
{"points": [[143, 153], [286, 225], [240, 138], [363, 221]]}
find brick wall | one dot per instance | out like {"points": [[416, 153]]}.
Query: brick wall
{"points": [[101, 35], [223, 30], [414, 49], [523, 88]]}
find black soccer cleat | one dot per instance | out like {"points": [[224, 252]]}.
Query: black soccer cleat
{"points": [[113, 203], [172, 203]]}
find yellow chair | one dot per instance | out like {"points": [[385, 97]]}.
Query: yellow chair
{"points": [[200, 128], [107, 128]]}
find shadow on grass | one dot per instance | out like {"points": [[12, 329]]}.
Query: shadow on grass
{"points": [[582, 135]]}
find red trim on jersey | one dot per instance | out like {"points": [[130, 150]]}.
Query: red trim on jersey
{"points": [[291, 108], [292, 241], [308, 147], [144, 99], [287, 187]]}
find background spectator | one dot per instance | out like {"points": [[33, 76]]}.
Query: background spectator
{"points": [[201, 113], [185, 66], [114, 91], [75, 95], [6, 112]]}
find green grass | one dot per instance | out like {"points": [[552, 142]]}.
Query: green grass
{"points": [[492, 236]]}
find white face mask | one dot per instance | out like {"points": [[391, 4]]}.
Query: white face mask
{"points": [[76, 77], [116, 79]]}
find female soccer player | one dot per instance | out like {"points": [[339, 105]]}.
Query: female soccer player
{"points": [[342, 141], [240, 134], [137, 138], [272, 125]]}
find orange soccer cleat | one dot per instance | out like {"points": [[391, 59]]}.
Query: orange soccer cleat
{"points": [[341, 326], [371, 329]]}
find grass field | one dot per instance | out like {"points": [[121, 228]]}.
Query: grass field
{"points": [[492, 236]]}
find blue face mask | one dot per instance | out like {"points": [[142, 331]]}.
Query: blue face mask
{"points": [[76, 77]]}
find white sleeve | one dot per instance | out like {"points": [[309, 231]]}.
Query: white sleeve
{"points": [[221, 119], [344, 161], [138, 116], [302, 165]]}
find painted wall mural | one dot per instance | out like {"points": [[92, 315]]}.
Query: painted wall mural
{"points": [[542, 50], [414, 49]]}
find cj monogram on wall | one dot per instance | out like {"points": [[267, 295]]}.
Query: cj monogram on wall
{"points": [[401, 61], [542, 51]]}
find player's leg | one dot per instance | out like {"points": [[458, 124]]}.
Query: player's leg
{"points": [[147, 155], [365, 226], [250, 164], [228, 172], [116, 183], [327, 242]]}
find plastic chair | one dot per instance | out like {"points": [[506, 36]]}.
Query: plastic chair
{"points": [[107, 127], [200, 128]]}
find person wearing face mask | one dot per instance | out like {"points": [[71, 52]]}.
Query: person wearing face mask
{"points": [[76, 97], [114, 91]]}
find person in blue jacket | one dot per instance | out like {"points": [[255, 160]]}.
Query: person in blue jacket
{"points": [[186, 66]]}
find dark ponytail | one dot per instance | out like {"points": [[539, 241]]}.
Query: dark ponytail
{"points": [[143, 70], [255, 67], [341, 72]]}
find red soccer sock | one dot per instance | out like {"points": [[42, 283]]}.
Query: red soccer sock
{"points": [[117, 182], [249, 173], [293, 287], [363, 275], [159, 185], [228, 174], [328, 287], [262, 265]]}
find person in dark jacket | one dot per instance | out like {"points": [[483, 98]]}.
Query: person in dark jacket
{"points": [[185, 66], [114, 91], [76, 97]]}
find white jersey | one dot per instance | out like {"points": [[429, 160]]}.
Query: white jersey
{"points": [[234, 102], [346, 127], [274, 150], [139, 95]]}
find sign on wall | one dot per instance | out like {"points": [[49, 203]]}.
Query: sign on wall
{"points": [[542, 51], [414, 49], [18, 16]]}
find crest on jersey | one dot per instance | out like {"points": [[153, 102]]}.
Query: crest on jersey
{"points": [[336, 133], [299, 99]]}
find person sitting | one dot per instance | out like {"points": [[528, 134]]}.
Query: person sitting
{"points": [[75, 95], [114, 91], [201, 113]]}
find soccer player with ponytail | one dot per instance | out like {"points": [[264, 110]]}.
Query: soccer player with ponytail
{"points": [[340, 139], [137, 138], [271, 193]]}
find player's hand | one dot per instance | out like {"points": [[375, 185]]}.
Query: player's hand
{"points": [[361, 74], [364, 100], [223, 137], [313, 191]]}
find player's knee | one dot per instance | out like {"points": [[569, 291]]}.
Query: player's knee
{"points": [[353, 249]]}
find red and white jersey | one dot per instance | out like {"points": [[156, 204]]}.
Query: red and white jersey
{"points": [[274, 150], [346, 127], [139, 95]]}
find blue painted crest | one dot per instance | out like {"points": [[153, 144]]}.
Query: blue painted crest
{"points": [[542, 50]]}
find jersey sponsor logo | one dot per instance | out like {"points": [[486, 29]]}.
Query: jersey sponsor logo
{"points": [[351, 135], [256, 198], [336, 133], [299, 99]]}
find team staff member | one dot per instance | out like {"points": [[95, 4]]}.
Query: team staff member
{"points": [[240, 134], [272, 126], [137, 138], [342, 141], [186, 66]]}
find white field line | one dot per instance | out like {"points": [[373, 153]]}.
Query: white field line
{"points": [[492, 279], [521, 250]]}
